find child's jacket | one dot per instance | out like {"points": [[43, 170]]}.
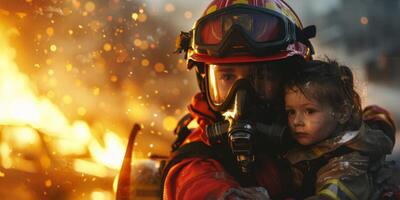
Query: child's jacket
{"points": [[344, 166]]}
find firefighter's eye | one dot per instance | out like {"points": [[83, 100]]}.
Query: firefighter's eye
{"points": [[227, 77]]}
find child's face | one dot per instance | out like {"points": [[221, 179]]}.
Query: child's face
{"points": [[309, 120]]}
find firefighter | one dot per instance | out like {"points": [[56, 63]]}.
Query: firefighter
{"points": [[242, 51]]}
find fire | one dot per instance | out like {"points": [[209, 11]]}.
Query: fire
{"points": [[113, 153], [21, 106]]}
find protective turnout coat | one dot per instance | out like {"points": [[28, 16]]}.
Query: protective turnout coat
{"points": [[199, 171]]}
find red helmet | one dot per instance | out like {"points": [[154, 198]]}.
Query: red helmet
{"points": [[239, 31]]}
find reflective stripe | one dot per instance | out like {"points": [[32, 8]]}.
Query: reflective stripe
{"points": [[337, 190], [211, 9], [329, 193], [272, 6], [246, 2]]}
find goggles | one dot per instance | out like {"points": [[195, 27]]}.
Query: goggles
{"points": [[224, 80], [245, 28]]}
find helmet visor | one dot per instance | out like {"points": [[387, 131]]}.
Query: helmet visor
{"points": [[260, 26], [263, 77]]}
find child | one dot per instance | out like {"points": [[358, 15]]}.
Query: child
{"points": [[337, 153]]}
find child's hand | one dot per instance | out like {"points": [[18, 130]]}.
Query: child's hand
{"points": [[379, 118], [378, 113]]}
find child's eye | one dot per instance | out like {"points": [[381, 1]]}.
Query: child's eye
{"points": [[290, 112], [310, 111]]}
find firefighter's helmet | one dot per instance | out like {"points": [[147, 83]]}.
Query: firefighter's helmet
{"points": [[243, 31]]}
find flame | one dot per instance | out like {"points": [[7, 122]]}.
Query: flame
{"points": [[101, 195], [112, 154], [21, 106]]}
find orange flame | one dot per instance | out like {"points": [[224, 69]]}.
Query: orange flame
{"points": [[21, 106]]}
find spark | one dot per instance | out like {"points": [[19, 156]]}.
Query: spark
{"points": [[68, 67], [135, 16], [53, 48], [90, 6], [50, 31], [114, 78], [67, 99], [107, 47], [81, 111], [169, 123], [96, 91], [50, 72], [159, 67], [142, 17], [137, 42], [48, 183]]}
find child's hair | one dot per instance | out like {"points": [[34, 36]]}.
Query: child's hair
{"points": [[331, 84]]}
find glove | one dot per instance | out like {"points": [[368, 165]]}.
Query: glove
{"points": [[253, 193], [378, 118]]}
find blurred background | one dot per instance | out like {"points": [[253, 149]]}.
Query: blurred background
{"points": [[75, 75]]}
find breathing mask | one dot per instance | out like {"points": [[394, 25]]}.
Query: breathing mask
{"points": [[245, 94]]}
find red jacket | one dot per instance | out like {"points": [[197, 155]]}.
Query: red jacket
{"points": [[205, 178]]}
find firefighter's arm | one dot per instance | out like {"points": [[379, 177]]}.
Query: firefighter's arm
{"points": [[199, 178], [344, 177]]}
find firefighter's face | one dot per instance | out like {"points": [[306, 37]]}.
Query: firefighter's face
{"points": [[263, 77], [309, 120]]}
